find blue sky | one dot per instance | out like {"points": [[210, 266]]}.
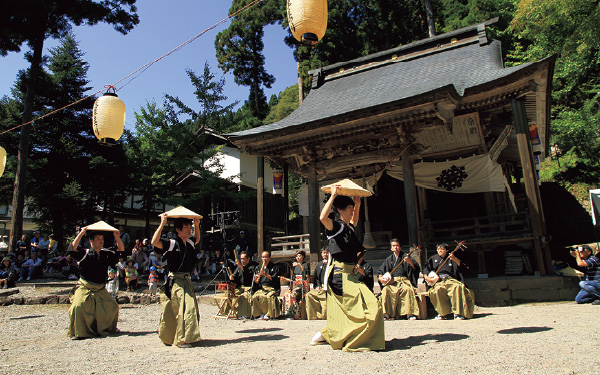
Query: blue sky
{"points": [[163, 26]]}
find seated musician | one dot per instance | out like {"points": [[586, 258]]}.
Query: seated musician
{"points": [[242, 278], [448, 294], [293, 301], [316, 306], [364, 271], [265, 304], [397, 286]]}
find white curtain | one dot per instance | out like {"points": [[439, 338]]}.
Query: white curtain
{"points": [[474, 174]]}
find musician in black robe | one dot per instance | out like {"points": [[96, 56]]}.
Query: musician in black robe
{"points": [[316, 306], [397, 287], [448, 294], [242, 278], [267, 286]]}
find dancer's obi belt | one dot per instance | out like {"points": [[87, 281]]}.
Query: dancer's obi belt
{"points": [[168, 286], [339, 267], [91, 286]]}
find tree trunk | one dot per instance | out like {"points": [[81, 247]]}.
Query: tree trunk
{"points": [[18, 201], [430, 18]]}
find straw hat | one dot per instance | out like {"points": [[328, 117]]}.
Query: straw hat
{"points": [[183, 212], [101, 226], [349, 188]]}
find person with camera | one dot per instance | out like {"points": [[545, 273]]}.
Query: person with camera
{"points": [[590, 286]]}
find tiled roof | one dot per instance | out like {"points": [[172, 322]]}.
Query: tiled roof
{"points": [[456, 69]]}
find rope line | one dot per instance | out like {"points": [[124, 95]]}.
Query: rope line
{"points": [[144, 67]]}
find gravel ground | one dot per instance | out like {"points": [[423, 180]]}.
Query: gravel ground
{"points": [[550, 338]]}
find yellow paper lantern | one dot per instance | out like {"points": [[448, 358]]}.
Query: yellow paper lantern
{"points": [[307, 20], [2, 160], [108, 118]]}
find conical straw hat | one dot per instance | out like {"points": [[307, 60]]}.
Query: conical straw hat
{"points": [[101, 226], [349, 188], [183, 212]]}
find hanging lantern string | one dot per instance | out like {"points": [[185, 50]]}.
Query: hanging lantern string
{"points": [[142, 68]]}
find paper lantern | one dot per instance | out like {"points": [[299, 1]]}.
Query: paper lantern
{"points": [[307, 20], [108, 118], [2, 160]]}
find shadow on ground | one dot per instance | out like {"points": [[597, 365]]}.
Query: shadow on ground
{"points": [[412, 341], [247, 339], [517, 330]]}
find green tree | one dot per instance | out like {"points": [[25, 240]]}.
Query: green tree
{"points": [[32, 22], [62, 146], [240, 47], [282, 106]]}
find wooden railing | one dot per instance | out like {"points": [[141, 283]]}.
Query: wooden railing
{"points": [[484, 229], [288, 245]]}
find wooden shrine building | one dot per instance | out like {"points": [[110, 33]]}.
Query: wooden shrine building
{"points": [[447, 136]]}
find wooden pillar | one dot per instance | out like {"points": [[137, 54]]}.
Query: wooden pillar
{"points": [[286, 200], [314, 224], [410, 195], [530, 180], [260, 214]]}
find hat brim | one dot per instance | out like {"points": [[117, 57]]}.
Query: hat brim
{"points": [[101, 226], [183, 212], [349, 188]]}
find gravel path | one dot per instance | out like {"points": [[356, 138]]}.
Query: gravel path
{"points": [[526, 339]]}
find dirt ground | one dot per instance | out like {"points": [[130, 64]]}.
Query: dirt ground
{"points": [[553, 338]]}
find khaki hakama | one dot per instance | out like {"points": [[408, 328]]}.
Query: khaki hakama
{"points": [[449, 295], [354, 320], [240, 302], [93, 312], [265, 301], [316, 304], [179, 322], [399, 298]]}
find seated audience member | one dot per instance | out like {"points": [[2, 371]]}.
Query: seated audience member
{"points": [[448, 294], [35, 242], [120, 268], [140, 259], [56, 263], [8, 273], [203, 263], [71, 268], [265, 304], [131, 276], [316, 299], [4, 245], [19, 261], [397, 293], [293, 300], [22, 245], [216, 261], [31, 268], [242, 277], [52, 246], [590, 286]]}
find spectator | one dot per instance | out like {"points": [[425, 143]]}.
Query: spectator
{"points": [[44, 245], [53, 245], [70, 268], [131, 275], [124, 237], [31, 268], [112, 284], [57, 263], [203, 263], [19, 261], [35, 242], [4, 245], [156, 260], [146, 247], [140, 259], [121, 268], [242, 244], [8, 273], [590, 287], [22, 245], [153, 281]]}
